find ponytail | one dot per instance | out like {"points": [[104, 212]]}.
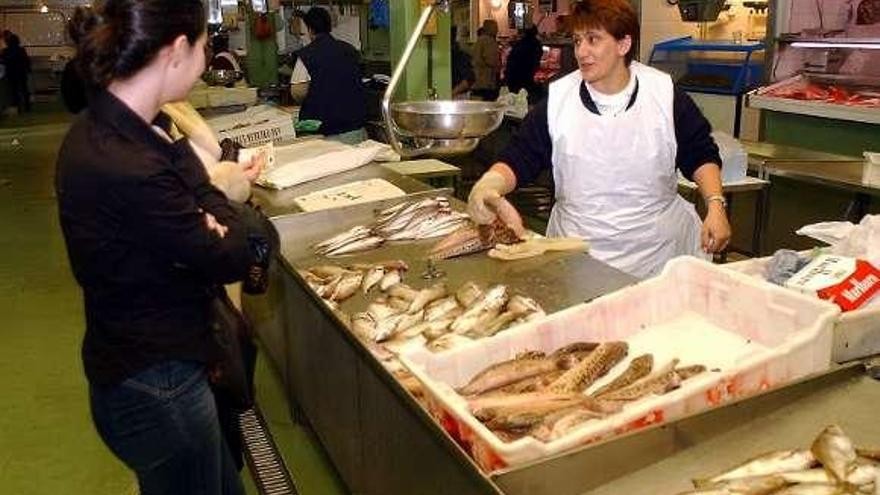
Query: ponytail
{"points": [[126, 35]]}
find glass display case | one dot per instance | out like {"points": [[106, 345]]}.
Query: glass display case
{"points": [[717, 67], [826, 61]]}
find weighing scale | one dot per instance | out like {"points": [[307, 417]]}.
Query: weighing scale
{"points": [[436, 127]]}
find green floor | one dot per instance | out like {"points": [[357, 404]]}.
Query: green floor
{"points": [[47, 442]]}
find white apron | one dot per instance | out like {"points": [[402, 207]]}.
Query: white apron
{"points": [[615, 177]]}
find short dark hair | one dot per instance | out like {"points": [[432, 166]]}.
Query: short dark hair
{"points": [[125, 35], [618, 17], [317, 19]]}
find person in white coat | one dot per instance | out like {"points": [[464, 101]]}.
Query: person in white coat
{"points": [[614, 133]]}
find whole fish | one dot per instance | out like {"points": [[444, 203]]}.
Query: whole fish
{"points": [[373, 276], [836, 452], [390, 279], [477, 327], [356, 233], [765, 464], [408, 321], [381, 311], [523, 305], [527, 418], [664, 380], [347, 286], [638, 368], [593, 367], [326, 290], [385, 328], [507, 372], [492, 301], [487, 408], [468, 294], [402, 291], [432, 329], [364, 244], [441, 308], [428, 295], [363, 324]]}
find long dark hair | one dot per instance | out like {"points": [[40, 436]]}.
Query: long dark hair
{"points": [[125, 35]]}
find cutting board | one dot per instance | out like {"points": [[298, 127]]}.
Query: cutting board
{"points": [[349, 194]]}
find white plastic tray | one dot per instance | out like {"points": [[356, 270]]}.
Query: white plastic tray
{"points": [[758, 335], [856, 333]]}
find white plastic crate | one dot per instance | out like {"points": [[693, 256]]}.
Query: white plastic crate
{"points": [[856, 333], [758, 336]]}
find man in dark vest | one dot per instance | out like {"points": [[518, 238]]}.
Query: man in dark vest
{"points": [[327, 82]]}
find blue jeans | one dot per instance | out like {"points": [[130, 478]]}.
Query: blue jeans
{"points": [[162, 423]]}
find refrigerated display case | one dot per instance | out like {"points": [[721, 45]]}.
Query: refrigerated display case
{"points": [[825, 62]]}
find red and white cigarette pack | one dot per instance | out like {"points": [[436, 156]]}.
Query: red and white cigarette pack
{"points": [[847, 282]]}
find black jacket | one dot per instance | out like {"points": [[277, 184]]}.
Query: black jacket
{"points": [[132, 208], [336, 94], [17, 62], [522, 64], [73, 88]]}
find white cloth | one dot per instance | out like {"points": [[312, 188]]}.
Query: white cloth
{"points": [[314, 159], [616, 103], [615, 178], [300, 73]]}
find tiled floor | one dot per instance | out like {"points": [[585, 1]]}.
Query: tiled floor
{"points": [[47, 442]]}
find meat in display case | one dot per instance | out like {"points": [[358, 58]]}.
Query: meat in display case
{"points": [[826, 61]]}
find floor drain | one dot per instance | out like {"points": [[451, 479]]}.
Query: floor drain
{"points": [[267, 467]]}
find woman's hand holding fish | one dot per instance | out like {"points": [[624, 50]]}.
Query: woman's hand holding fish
{"points": [[254, 167]]}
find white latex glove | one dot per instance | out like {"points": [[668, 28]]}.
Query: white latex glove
{"points": [[486, 203]]}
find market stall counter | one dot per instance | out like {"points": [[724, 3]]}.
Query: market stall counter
{"points": [[377, 435]]}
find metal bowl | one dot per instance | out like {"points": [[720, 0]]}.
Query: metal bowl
{"points": [[221, 77], [447, 119]]}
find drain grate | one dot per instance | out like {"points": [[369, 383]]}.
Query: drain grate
{"points": [[267, 467]]}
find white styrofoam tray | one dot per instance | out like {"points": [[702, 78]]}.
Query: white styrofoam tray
{"points": [[856, 333], [756, 335]]}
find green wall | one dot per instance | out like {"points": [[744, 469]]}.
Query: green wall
{"points": [[414, 83], [829, 135]]}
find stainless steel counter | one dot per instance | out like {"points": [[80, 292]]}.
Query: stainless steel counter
{"points": [[280, 202]]}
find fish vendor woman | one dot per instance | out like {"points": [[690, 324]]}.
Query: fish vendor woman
{"points": [[613, 133]]}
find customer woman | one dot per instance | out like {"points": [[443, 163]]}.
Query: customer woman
{"points": [[150, 241]]}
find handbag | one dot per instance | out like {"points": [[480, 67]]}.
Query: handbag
{"points": [[232, 369]]}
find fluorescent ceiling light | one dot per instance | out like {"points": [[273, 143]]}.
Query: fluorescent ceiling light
{"points": [[875, 45], [44, 9]]}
